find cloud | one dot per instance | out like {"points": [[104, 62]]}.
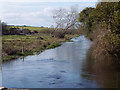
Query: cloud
{"points": [[31, 14], [29, 18], [48, 10], [39, 14]]}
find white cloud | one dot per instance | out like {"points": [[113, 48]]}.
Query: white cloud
{"points": [[30, 18], [32, 13], [48, 11]]}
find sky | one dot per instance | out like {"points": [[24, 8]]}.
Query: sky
{"points": [[37, 12]]}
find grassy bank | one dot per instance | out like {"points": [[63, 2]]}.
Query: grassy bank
{"points": [[14, 46]]}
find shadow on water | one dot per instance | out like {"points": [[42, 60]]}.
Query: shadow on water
{"points": [[107, 76], [67, 66]]}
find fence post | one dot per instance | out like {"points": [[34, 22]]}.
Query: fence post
{"points": [[22, 49]]}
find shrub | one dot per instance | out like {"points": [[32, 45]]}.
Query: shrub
{"points": [[59, 34]]}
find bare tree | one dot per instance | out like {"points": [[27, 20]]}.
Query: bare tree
{"points": [[66, 19]]}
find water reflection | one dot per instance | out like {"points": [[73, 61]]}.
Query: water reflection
{"points": [[104, 76]]}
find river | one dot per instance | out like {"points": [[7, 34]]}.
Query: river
{"points": [[67, 66]]}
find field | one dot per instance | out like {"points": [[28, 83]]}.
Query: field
{"points": [[39, 29], [14, 46], [45, 30]]}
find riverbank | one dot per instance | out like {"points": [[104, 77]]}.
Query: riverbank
{"points": [[104, 30], [14, 46], [62, 67]]}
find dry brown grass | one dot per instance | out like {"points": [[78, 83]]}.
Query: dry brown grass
{"points": [[103, 48]]}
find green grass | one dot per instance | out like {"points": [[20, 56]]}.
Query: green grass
{"points": [[12, 44], [24, 38], [53, 45], [10, 57], [69, 40], [33, 43], [31, 28]]}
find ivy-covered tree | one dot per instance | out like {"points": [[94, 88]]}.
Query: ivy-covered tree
{"points": [[106, 15], [86, 18]]}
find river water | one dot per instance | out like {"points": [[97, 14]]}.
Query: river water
{"points": [[67, 66]]}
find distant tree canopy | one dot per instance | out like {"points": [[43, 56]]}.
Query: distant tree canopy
{"points": [[15, 31]]}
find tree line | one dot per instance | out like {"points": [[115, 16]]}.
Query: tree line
{"points": [[102, 24]]}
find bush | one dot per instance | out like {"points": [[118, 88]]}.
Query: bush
{"points": [[59, 34]]}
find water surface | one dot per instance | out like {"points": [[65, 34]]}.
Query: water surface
{"points": [[67, 66]]}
